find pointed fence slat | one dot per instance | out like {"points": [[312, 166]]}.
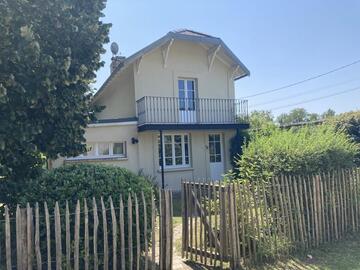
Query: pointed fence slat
{"points": [[77, 236], [48, 236], [122, 234], [146, 244], [130, 234], [86, 236], [67, 236], [29, 236], [184, 216], [7, 239], [105, 235], [286, 214], [37, 238], [58, 237], [137, 226], [60, 233], [153, 227], [114, 234], [95, 235], [18, 239]]}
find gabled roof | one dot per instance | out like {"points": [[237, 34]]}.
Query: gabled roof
{"points": [[191, 33], [185, 35]]}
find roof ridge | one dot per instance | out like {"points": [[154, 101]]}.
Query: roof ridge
{"points": [[182, 30]]}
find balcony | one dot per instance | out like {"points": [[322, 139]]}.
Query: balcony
{"points": [[156, 113]]}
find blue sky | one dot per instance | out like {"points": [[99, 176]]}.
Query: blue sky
{"points": [[280, 42]]}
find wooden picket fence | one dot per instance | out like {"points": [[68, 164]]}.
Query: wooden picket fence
{"points": [[123, 237], [239, 224]]}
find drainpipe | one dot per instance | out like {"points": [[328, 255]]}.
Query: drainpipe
{"points": [[162, 160]]}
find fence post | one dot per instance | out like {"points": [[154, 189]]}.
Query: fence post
{"points": [[166, 236]]}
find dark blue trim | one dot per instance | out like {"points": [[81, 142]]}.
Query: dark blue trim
{"points": [[116, 120], [146, 127]]}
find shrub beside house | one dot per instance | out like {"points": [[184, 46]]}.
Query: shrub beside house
{"points": [[305, 150]]}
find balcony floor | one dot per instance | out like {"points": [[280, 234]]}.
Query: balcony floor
{"points": [[189, 126]]}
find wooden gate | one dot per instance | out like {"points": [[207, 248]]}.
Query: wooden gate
{"points": [[210, 224]]}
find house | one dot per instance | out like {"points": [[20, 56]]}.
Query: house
{"points": [[173, 101]]}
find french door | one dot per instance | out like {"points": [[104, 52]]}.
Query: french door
{"points": [[216, 156], [187, 102]]}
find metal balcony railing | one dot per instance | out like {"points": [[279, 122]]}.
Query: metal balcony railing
{"points": [[174, 110]]}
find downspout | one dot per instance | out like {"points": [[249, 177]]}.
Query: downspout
{"points": [[162, 160]]}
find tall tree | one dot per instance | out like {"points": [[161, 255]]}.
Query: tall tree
{"points": [[49, 52], [261, 119], [328, 113], [297, 115], [349, 122]]}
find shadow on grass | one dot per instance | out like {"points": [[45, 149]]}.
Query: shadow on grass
{"points": [[341, 255]]}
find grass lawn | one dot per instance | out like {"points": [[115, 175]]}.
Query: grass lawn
{"points": [[343, 255]]}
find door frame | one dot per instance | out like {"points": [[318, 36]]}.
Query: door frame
{"points": [[221, 151], [188, 115]]}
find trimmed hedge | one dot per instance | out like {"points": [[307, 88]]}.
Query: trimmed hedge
{"points": [[79, 181], [304, 150]]}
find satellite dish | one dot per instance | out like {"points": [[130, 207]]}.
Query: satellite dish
{"points": [[114, 48]]}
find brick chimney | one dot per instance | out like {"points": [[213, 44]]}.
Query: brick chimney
{"points": [[116, 61]]}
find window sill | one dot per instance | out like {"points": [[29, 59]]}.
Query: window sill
{"points": [[110, 158], [180, 169]]}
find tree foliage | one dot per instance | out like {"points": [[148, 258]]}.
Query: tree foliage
{"points": [[260, 119], [49, 52], [300, 115], [348, 122], [237, 143]]}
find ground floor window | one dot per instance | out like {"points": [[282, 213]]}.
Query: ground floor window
{"points": [[105, 149], [175, 150]]}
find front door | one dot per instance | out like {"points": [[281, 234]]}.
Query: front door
{"points": [[216, 156], [187, 110]]}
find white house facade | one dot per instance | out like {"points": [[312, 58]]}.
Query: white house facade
{"points": [[170, 110]]}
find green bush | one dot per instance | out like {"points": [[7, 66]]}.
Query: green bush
{"points": [[348, 122], [304, 150], [78, 181], [85, 181], [236, 146]]}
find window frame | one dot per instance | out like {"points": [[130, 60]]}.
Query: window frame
{"points": [[173, 157], [217, 140], [111, 154], [187, 103]]}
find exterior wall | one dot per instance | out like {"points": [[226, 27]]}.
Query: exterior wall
{"points": [[119, 99], [143, 157], [187, 60], [200, 165], [111, 134]]}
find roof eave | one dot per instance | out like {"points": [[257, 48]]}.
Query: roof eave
{"points": [[171, 35], [128, 61]]}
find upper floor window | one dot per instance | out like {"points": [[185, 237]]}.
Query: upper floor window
{"points": [[187, 94]]}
